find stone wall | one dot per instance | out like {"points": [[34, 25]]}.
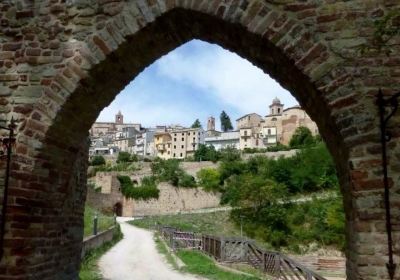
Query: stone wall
{"points": [[95, 241], [173, 200]]}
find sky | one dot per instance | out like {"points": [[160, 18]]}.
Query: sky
{"points": [[195, 81]]}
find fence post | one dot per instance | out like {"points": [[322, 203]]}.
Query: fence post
{"points": [[277, 265], [222, 249], [95, 224]]}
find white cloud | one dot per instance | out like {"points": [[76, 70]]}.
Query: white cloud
{"points": [[227, 76]]}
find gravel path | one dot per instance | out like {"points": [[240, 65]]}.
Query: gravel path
{"points": [[135, 257]]}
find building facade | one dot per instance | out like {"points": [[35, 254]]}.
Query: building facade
{"points": [[222, 140]]}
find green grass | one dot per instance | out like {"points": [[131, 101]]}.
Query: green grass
{"points": [[162, 249], [103, 221], [89, 269], [200, 264], [217, 223]]}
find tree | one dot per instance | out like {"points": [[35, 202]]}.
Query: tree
{"points": [[196, 124], [98, 160], [226, 124], [124, 157], [206, 153], [209, 179], [302, 137]]}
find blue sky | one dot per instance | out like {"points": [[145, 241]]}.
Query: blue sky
{"points": [[196, 80]]}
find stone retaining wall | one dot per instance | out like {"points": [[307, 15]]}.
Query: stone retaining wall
{"points": [[95, 241]]}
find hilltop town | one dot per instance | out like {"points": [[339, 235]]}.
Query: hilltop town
{"points": [[253, 131]]}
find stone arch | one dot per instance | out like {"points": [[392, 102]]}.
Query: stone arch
{"points": [[53, 60], [118, 209]]}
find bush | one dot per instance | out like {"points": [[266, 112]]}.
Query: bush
{"points": [[98, 160], [187, 181], [126, 157], [302, 137], [206, 153], [209, 179], [147, 190]]}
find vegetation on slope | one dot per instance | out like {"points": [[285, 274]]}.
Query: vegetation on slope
{"points": [[103, 221], [147, 190], [200, 264]]}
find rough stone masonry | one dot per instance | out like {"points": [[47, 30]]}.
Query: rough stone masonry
{"points": [[63, 61]]}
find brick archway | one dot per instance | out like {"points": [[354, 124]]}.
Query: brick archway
{"points": [[62, 63]]}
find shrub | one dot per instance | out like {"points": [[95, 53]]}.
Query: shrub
{"points": [[187, 181], [147, 190], [126, 157], [98, 160], [209, 179], [302, 137]]}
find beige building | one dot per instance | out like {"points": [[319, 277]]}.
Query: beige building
{"points": [[277, 127], [163, 144], [186, 141], [99, 129], [284, 122]]}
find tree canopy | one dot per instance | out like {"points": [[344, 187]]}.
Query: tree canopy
{"points": [[302, 137], [226, 124], [196, 124]]}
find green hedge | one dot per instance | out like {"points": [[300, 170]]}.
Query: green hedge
{"points": [[147, 190]]}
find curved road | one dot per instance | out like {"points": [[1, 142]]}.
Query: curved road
{"points": [[135, 257]]}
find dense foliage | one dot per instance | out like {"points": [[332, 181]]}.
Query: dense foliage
{"points": [[206, 153], [295, 225], [260, 189], [226, 124], [147, 190], [170, 171], [98, 160], [196, 124], [126, 157], [302, 137]]}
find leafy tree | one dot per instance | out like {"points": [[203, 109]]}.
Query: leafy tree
{"points": [[226, 124], [206, 153], [302, 137], [124, 157], [98, 160], [196, 124], [229, 154], [209, 179], [187, 181]]}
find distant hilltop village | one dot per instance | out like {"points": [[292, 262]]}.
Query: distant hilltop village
{"points": [[253, 131]]}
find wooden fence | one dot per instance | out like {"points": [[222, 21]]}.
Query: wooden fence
{"points": [[234, 250]]}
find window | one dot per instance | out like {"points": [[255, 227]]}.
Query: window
{"points": [[183, 133], [269, 131], [174, 155], [189, 133], [169, 152], [245, 139], [174, 134], [183, 146], [183, 139], [245, 133], [194, 139], [181, 155], [279, 110], [174, 139], [174, 146], [274, 119]]}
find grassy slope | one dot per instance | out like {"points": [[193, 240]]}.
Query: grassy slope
{"points": [[200, 264], [104, 222], [217, 223]]}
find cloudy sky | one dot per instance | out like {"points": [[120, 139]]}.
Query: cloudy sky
{"points": [[196, 80]]}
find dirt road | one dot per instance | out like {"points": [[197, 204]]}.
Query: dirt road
{"points": [[135, 257]]}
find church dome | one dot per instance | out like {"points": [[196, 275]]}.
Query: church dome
{"points": [[276, 101]]}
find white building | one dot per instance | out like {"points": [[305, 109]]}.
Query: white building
{"points": [[222, 140]]}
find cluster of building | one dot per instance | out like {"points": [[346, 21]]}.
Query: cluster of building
{"points": [[253, 131]]}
